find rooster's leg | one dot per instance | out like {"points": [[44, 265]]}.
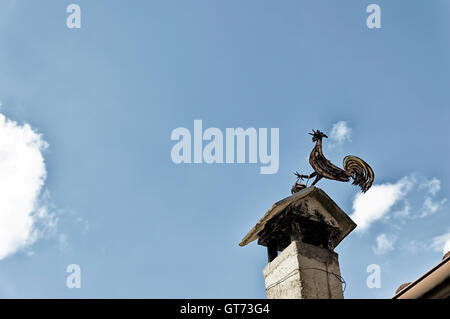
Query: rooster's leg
{"points": [[318, 178], [299, 176]]}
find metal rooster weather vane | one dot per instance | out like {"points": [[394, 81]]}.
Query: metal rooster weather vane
{"points": [[354, 167]]}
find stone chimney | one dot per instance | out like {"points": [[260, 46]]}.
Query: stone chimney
{"points": [[306, 228]]}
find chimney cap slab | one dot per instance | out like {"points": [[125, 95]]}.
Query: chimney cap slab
{"points": [[330, 214]]}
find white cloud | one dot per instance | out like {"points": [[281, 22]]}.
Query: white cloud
{"points": [[378, 201], [403, 212], [430, 206], [22, 176], [340, 132], [433, 186], [441, 243], [384, 245], [415, 246]]}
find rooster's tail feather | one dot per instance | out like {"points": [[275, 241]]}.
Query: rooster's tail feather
{"points": [[360, 171]]}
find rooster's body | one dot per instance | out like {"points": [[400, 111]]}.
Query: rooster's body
{"points": [[354, 167]]}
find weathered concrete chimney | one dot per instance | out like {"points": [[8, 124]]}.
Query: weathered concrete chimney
{"points": [[305, 227]]}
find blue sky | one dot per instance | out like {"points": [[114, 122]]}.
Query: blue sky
{"points": [[100, 189]]}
